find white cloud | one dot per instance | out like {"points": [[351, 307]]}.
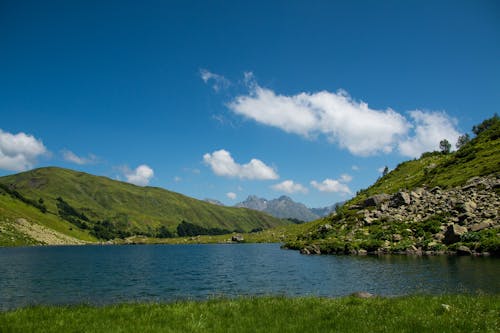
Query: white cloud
{"points": [[381, 169], [331, 185], [218, 81], [69, 156], [140, 176], [223, 164], [177, 179], [355, 168], [19, 151], [351, 124], [345, 178], [429, 129], [231, 195], [289, 186]]}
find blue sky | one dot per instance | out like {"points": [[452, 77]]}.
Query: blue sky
{"points": [[219, 99]]}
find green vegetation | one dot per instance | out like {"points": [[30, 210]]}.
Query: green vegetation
{"points": [[101, 208], [477, 157], [465, 313], [354, 231]]}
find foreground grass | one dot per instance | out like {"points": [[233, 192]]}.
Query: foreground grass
{"points": [[465, 313]]}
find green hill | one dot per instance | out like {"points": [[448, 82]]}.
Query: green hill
{"points": [[88, 207], [439, 203]]}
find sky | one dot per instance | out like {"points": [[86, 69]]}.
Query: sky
{"points": [[225, 99]]}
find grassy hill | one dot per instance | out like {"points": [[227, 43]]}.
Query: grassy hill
{"points": [[439, 203], [85, 206]]}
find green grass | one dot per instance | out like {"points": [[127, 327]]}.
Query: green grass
{"points": [[129, 207], [479, 157], [466, 313], [12, 209]]}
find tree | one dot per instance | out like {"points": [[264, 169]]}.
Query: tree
{"points": [[445, 146], [386, 171], [462, 140], [477, 129]]}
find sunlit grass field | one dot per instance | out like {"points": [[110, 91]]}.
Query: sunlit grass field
{"points": [[449, 313]]}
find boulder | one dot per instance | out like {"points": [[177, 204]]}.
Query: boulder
{"points": [[325, 228], [463, 250], [311, 249], [362, 294], [376, 200], [400, 199], [237, 238], [453, 233], [480, 226], [466, 207]]}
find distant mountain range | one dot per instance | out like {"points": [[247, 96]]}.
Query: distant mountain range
{"points": [[285, 207]]}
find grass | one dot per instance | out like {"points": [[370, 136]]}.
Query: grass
{"points": [[466, 313], [12, 209], [479, 157], [128, 207]]}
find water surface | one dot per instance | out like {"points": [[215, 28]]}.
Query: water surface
{"points": [[110, 274]]}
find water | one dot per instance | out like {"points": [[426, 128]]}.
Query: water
{"points": [[111, 274]]}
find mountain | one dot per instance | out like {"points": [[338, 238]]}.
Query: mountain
{"points": [[325, 211], [87, 207], [440, 203], [214, 202], [285, 207]]}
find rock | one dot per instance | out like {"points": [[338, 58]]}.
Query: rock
{"points": [[325, 228], [480, 226], [463, 250], [311, 249], [466, 207], [376, 200], [436, 190], [237, 238], [396, 237], [362, 294], [362, 252], [400, 199], [453, 233], [445, 307]]}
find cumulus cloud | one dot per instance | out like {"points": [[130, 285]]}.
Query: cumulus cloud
{"points": [[218, 81], [140, 176], [331, 185], [351, 124], [355, 168], [289, 186], [429, 129], [231, 195], [223, 164], [69, 156], [19, 152]]}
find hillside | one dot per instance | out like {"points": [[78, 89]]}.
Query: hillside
{"points": [[87, 207], [439, 203]]}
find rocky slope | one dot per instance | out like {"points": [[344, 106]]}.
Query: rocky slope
{"points": [[440, 203]]}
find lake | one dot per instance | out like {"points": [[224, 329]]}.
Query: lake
{"points": [[111, 274]]}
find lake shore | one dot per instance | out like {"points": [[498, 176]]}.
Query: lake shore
{"points": [[417, 313]]}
